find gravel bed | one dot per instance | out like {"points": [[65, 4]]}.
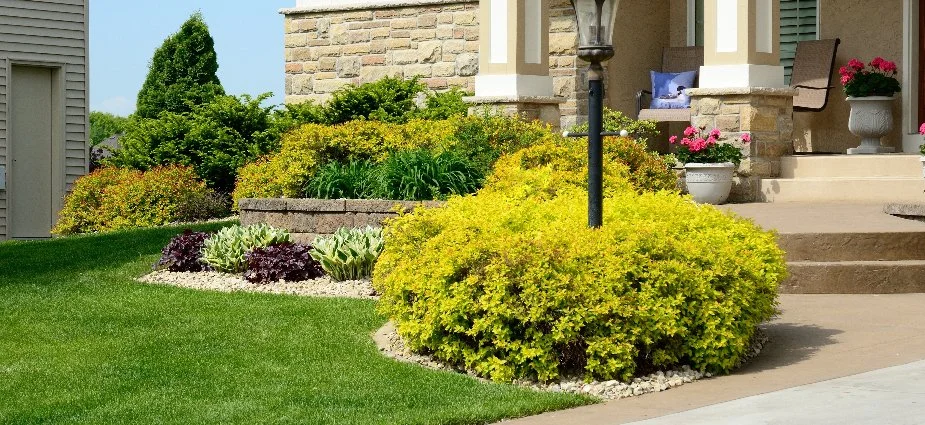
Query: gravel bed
{"points": [[391, 345], [223, 282]]}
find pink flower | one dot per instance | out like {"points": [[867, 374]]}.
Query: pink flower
{"points": [[685, 142], [922, 128], [845, 79], [672, 139], [747, 137], [698, 145], [888, 66], [690, 131], [877, 62], [843, 71], [715, 133], [856, 64]]}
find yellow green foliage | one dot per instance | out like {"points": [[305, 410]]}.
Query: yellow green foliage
{"points": [[482, 139], [511, 282], [118, 198]]}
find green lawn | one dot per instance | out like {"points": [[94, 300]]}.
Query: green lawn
{"points": [[81, 342]]}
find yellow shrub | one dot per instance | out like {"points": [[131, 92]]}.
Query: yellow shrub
{"points": [[511, 282], [116, 198]]}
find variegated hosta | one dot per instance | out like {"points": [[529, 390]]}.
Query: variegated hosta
{"points": [[225, 251], [349, 253]]}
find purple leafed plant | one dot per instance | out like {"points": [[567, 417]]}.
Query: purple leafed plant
{"points": [[285, 261], [184, 253]]}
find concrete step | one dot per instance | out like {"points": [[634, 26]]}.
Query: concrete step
{"points": [[856, 166], [855, 277], [848, 246], [844, 189]]}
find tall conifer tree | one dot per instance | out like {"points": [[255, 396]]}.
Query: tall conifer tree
{"points": [[182, 72]]}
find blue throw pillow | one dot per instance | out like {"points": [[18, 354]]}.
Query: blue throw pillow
{"points": [[668, 89]]}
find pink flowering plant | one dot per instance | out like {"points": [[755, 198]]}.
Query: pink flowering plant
{"points": [[922, 132], [878, 78], [698, 146]]}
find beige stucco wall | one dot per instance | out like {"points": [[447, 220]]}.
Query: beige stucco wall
{"points": [[640, 36], [867, 29]]}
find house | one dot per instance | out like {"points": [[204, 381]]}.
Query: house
{"points": [[43, 111], [525, 49]]}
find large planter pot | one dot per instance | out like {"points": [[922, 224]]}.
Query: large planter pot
{"points": [[871, 118], [709, 183]]}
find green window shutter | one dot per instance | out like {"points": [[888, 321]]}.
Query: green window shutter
{"points": [[797, 23]]}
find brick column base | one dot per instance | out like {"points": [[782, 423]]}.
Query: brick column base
{"points": [[530, 108], [765, 113]]}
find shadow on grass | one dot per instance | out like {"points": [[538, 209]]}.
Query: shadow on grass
{"points": [[22, 261], [790, 344]]}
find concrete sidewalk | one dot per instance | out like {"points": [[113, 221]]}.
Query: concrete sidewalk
{"points": [[894, 396], [816, 338]]}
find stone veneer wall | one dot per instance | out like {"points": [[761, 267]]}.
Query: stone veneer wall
{"points": [[308, 218], [765, 113], [439, 41]]}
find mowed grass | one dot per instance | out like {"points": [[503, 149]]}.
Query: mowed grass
{"points": [[82, 342]]}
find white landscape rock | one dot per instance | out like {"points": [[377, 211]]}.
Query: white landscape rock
{"points": [[223, 282]]}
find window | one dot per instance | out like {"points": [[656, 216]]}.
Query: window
{"points": [[798, 20]]}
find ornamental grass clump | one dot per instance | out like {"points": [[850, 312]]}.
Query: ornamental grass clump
{"points": [[512, 284], [226, 250], [878, 78], [349, 253]]}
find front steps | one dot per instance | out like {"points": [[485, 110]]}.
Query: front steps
{"points": [[844, 248], [846, 178]]}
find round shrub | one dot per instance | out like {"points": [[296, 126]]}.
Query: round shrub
{"points": [[285, 261], [115, 198], [511, 283], [184, 253]]}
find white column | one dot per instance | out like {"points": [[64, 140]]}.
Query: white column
{"points": [[741, 44], [514, 49]]}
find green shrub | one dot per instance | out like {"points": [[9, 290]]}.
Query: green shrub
{"points": [[216, 139], [226, 250], [352, 180], [421, 175], [511, 283], [115, 198], [640, 130], [349, 254], [389, 99], [443, 105]]}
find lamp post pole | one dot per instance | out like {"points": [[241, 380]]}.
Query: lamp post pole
{"points": [[595, 45], [595, 145]]}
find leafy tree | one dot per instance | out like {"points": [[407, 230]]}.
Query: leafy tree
{"points": [[182, 72], [104, 125]]}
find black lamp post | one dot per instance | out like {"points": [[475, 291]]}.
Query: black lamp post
{"points": [[595, 37]]}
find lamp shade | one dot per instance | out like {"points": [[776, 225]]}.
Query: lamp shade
{"points": [[595, 21]]}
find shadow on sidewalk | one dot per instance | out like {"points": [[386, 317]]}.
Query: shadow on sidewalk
{"points": [[789, 344]]}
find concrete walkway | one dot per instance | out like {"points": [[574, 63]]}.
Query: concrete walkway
{"points": [[816, 338], [894, 395]]}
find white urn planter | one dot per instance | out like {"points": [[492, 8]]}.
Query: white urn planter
{"points": [[709, 183], [871, 118]]}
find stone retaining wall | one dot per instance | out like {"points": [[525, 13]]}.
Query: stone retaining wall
{"points": [[308, 218], [437, 40]]}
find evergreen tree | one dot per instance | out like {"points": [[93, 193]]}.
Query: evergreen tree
{"points": [[182, 72]]}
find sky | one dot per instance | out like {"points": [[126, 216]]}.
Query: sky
{"points": [[124, 34]]}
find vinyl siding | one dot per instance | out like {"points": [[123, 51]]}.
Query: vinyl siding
{"points": [[48, 32]]}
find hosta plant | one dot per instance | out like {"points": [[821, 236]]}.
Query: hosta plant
{"points": [[349, 253], [184, 253], [226, 250], [286, 261]]}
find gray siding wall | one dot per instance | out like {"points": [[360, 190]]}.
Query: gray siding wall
{"points": [[52, 33]]}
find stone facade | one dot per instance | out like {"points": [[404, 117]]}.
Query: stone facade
{"points": [[439, 42], [308, 218], [766, 114]]}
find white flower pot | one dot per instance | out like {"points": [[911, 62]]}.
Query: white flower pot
{"points": [[871, 118], [709, 183]]}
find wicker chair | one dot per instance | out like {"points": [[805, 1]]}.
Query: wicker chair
{"points": [[813, 67], [674, 59]]}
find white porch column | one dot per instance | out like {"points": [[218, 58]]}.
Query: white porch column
{"points": [[741, 44], [514, 60]]}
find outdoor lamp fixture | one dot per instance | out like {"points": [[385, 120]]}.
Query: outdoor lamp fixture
{"points": [[595, 37]]}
